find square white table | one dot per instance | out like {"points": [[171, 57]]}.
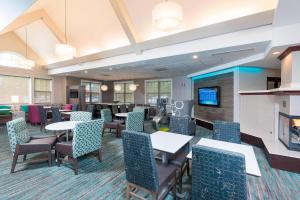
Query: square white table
{"points": [[252, 167], [168, 143]]}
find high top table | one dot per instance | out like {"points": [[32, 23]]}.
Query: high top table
{"points": [[62, 126], [168, 143], [252, 167]]}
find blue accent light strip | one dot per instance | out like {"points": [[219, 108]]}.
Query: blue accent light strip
{"points": [[244, 69]]}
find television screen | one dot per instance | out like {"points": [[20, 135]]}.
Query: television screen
{"points": [[74, 94], [209, 96]]}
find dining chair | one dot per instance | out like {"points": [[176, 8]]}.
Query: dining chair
{"points": [[43, 117], [81, 116], [130, 107], [87, 138], [90, 108], [56, 115], [135, 121], [138, 109], [74, 107], [227, 131], [218, 174], [123, 108], [68, 107], [34, 115], [22, 143], [109, 122], [141, 169], [114, 109]]}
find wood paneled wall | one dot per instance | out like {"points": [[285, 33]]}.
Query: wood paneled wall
{"points": [[225, 111]]}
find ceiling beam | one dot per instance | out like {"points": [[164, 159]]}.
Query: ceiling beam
{"points": [[126, 23], [32, 17]]}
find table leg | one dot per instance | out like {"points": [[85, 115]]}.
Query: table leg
{"points": [[164, 158], [67, 135]]}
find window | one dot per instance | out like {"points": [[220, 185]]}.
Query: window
{"points": [[14, 86], [92, 91], [42, 90], [156, 89], [124, 95]]}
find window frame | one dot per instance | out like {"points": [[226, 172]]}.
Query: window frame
{"points": [[125, 93], [90, 82], [34, 90], [159, 91]]}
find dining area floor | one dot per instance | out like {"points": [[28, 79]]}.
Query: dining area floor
{"points": [[106, 179]]}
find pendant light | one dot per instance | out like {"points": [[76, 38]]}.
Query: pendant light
{"points": [[132, 87], [118, 88], [26, 63], [104, 87], [167, 15], [64, 49]]}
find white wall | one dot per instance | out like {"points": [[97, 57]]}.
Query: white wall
{"points": [[182, 88]]}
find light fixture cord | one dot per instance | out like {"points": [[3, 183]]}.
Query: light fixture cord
{"points": [[26, 49], [66, 22]]}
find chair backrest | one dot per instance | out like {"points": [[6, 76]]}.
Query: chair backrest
{"points": [[227, 131], [17, 132], [68, 107], [81, 116], [56, 116], [140, 165], [34, 115], [24, 108], [135, 121], [115, 109], [43, 114], [182, 108], [180, 125], [123, 108], [104, 106], [130, 107], [218, 174], [87, 137], [90, 108], [106, 115], [75, 107]]}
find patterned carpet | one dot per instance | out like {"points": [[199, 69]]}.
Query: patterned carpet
{"points": [[106, 180]]}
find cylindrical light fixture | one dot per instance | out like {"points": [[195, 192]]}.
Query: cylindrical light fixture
{"points": [[118, 88], [167, 15], [104, 88], [132, 87]]}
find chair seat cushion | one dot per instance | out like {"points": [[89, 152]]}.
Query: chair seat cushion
{"points": [[118, 121], [64, 148], [164, 172], [179, 159], [49, 141], [23, 136]]}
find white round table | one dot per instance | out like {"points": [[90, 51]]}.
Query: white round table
{"points": [[121, 115], [62, 126]]}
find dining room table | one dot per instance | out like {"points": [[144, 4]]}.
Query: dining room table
{"points": [[62, 126], [252, 167], [121, 115], [169, 143]]}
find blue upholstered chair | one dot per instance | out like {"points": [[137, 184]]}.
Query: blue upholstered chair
{"points": [[130, 107], [218, 174], [109, 122], [135, 121], [227, 131], [90, 108], [115, 109], [81, 116], [142, 171], [180, 125], [56, 115], [138, 109], [22, 143], [87, 138], [74, 107], [43, 117], [123, 108]]}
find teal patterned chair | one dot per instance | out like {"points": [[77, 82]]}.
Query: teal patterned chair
{"points": [[218, 174], [227, 131], [22, 143], [106, 116], [138, 109], [135, 121], [141, 169], [87, 138], [81, 116]]}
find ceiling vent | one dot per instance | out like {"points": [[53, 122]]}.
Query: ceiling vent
{"points": [[233, 51], [161, 69], [105, 74]]}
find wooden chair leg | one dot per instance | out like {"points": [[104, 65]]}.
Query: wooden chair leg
{"points": [[75, 165], [100, 154], [128, 192], [174, 188], [15, 159], [58, 158], [49, 158], [24, 157], [188, 168]]}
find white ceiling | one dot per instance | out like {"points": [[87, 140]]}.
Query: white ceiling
{"points": [[173, 66], [92, 26]]}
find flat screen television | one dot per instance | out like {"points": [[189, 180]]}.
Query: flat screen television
{"points": [[74, 94], [209, 96]]}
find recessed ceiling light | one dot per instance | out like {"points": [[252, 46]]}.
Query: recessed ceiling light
{"points": [[85, 71], [195, 56], [276, 53]]}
